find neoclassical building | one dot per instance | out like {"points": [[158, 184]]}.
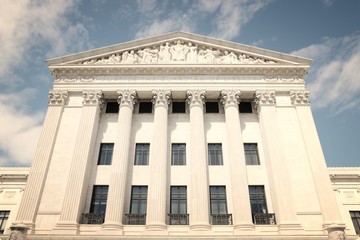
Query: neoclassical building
{"points": [[179, 136]]}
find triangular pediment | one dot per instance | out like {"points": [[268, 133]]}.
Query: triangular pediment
{"points": [[178, 48]]}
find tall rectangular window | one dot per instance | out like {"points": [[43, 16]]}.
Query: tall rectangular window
{"points": [[142, 154], [99, 199], [251, 154], [178, 200], [178, 154], [218, 200], [355, 217], [212, 107], [245, 107], [106, 153], [112, 107], [257, 199], [215, 154], [138, 200], [4, 216]]}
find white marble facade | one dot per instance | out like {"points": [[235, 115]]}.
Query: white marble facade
{"points": [[163, 71]]}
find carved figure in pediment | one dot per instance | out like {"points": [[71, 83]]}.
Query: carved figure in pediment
{"points": [[191, 57], [164, 54], [201, 55], [211, 55], [243, 58], [148, 55], [130, 57], [178, 51], [113, 59]]}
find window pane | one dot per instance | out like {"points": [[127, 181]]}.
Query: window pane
{"points": [[355, 217], [112, 107], [178, 107], [215, 154], [178, 200], [99, 199], [145, 107], [251, 154], [138, 200], [218, 200], [142, 154], [106, 153], [257, 199], [178, 154], [4, 215]]}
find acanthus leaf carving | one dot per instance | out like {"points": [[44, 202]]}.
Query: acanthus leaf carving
{"points": [[264, 98], [230, 98], [195, 97], [58, 97], [127, 98], [300, 97], [93, 97], [161, 98]]}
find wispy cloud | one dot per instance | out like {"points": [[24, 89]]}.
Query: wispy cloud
{"points": [[334, 78], [30, 25], [225, 17], [327, 3], [20, 130]]}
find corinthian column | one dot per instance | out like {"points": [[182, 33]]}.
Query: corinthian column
{"points": [[119, 169], [199, 217], [79, 170], [156, 213], [286, 216], [329, 207], [35, 183], [238, 174]]}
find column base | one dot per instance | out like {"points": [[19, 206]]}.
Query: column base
{"points": [[335, 231], [156, 227], [109, 228], [66, 228]]}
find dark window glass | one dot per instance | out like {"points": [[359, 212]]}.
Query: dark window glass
{"points": [[138, 200], [245, 107], [251, 154], [178, 200], [178, 107], [212, 107], [355, 217], [4, 216], [112, 107], [142, 154], [215, 154], [99, 198], [178, 154], [145, 107], [106, 153], [257, 199], [218, 200]]}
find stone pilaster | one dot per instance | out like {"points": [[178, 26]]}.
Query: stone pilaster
{"points": [[79, 170], [119, 170], [36, 180], [285, 212], [242, 219], [199, 217], [330, 211], [156, 212]]}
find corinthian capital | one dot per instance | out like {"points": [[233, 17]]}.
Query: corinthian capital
{"points": [[127, 98], [195, 97], [300, 97], [230, 98], [58, 97], [264, 98], [93, 98], [161, 98]]}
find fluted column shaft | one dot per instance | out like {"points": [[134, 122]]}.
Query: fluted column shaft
{"points": [[79, 170], [119, 170], [327, 200], [156, 212], [239, 182], [36, 180], [284, 206], [199, 215]]}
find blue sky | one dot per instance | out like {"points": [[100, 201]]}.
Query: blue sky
{"points": [[327, 31]]}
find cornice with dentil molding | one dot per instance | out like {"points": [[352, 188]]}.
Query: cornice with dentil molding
{"points": [[300, 97], [58, 97]]}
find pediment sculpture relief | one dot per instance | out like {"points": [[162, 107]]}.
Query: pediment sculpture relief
{"points": [[179, 52]]}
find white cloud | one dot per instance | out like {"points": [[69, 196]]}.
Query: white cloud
{"points": [[327, 3], [31, 24], [146, 5], [334, 77], [226, 17], [20, 131]]}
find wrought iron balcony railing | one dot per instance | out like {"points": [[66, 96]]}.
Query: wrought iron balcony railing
{"points": [[221, 219], [264, 218], [179, 219], [135, 219], [92, 218]]}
